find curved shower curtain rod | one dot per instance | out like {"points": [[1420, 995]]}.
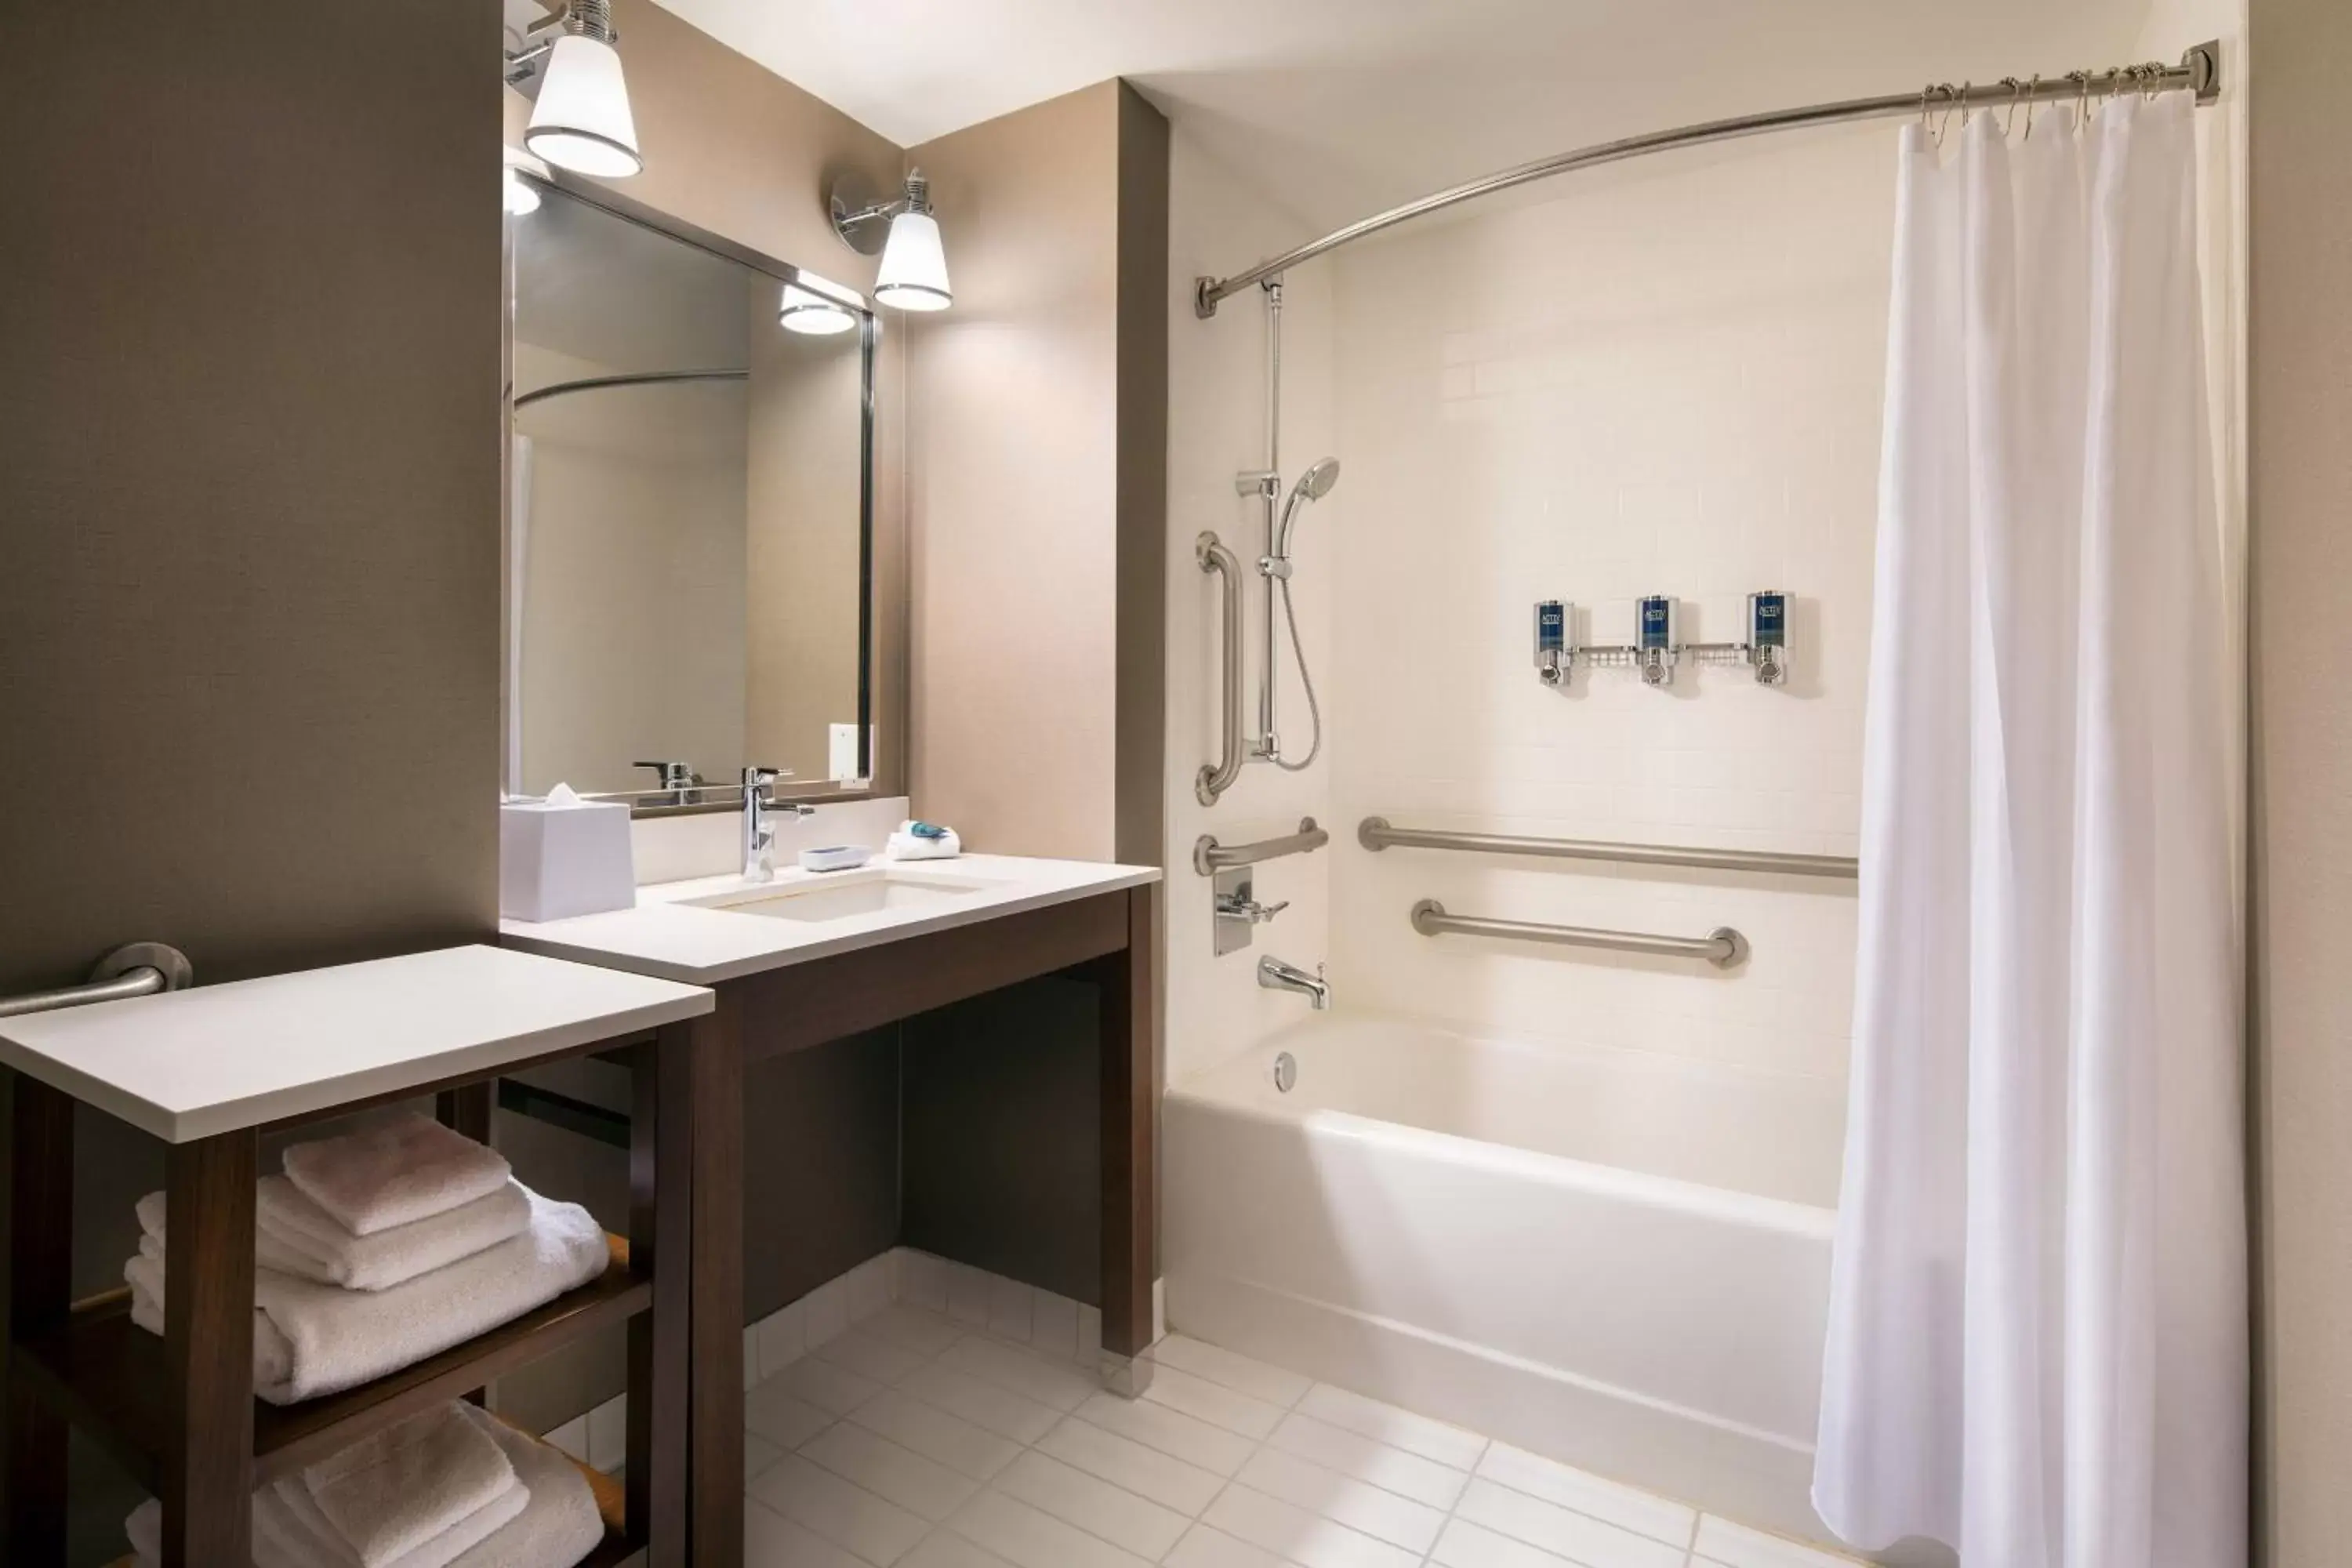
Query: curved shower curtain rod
{"points": [[2200, 71], [642, 378]]}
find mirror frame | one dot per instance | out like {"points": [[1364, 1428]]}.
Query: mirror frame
{"points": [[719, 796]]}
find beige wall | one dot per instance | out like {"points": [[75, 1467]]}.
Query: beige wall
{"points": [[1014, 467], [2301, 461]]}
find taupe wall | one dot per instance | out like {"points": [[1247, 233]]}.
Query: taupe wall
{"points": [[249, 484], [1035, 428], [2301, 459]]}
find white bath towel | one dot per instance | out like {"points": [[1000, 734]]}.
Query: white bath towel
{"points": [[280, 1540], [311, 1339], [393, 1491], [400, 1169], [295, 1236], [560, 1526]]}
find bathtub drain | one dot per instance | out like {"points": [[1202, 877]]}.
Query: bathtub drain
{"points": [[1285, 1071]]}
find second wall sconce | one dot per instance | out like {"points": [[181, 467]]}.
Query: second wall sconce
{"points": [[914, 273]]}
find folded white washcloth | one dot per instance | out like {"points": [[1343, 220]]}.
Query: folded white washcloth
{"points": [[311, 1339], [404, 1169], [923, 841], [291, 1531], [560, 1526], [295, 1236], [391, 1492]]}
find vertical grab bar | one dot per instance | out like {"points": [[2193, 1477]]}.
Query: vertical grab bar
{"points": [[1214, 781]]}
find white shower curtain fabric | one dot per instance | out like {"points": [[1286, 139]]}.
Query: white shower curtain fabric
{"points": [[2038, 1329]]}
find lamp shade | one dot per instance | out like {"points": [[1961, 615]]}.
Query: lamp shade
{"points": [[914, 274], [807, 310], [581, 120]]}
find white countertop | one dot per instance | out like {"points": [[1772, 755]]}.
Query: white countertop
{"points": [[669, 937], [185, 1065]]}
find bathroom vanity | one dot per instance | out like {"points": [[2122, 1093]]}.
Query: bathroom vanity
{"points": [[810, 958]]}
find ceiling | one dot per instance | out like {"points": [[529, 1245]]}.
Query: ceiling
{"points": [[1341, 107]]}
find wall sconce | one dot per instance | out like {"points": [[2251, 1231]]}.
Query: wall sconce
{"points": [[914, 274], [818, 306], [581, 120]]}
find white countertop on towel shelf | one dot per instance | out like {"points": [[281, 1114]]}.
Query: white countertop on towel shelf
{"points": [[667, 936], [186, 1065]]}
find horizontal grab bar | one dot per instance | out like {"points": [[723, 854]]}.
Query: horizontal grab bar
{"points": [[1376, 833], [1209, 857], [141, 969], [1722, 947]]}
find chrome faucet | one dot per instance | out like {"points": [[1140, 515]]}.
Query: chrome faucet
{"points": [[1276, 975], [759, 833]]}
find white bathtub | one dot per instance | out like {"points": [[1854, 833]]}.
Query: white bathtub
{"points": [[1615, 1258]]}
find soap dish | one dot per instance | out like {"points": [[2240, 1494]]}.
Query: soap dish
{"points": [[836, 857]]}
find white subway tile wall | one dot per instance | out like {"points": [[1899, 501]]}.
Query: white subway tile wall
{"points": [[913, 1437], [1663, 379]]}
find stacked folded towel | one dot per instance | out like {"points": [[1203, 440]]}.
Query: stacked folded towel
{"points": [[380, 1248], [450, 1488]]}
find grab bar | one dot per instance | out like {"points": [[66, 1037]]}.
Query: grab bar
{"points": [[1209, 857], [1722, 947], [1212, 781], [141, 969], [1375, 833]]}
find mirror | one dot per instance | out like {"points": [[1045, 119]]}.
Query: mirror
{"points": [[690, 510]]}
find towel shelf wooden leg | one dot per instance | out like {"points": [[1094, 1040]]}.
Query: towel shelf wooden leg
{"points": [[207, 1463], [36, 1265], [715, 1044], [1130, 1103], [661, 1213]]}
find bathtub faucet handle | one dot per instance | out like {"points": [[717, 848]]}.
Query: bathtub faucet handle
{"points": [[1241, 907]]}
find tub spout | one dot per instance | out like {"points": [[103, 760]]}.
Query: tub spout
{"points": [[1276, 975]]}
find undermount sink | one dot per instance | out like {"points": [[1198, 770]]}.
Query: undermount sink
{"points": [[869, 894]]}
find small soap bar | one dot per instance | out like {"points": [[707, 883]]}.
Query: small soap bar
{"points": [[835, 857]]}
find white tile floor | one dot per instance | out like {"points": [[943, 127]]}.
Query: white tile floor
{"points": [[920, 1440]]}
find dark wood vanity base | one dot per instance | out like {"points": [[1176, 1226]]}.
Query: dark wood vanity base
{"points": [[1107, 938]]}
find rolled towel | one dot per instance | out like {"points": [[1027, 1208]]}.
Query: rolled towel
{"points": [[399, 1170], [311, 1339], [560, 1526], [295, 1236]]}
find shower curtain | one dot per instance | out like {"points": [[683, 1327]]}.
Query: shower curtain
{"points": [[2038, 1329]]}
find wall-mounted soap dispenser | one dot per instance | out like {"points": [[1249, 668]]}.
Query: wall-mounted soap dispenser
{"points": [[1657, 641], [1767, 636], [1555, 641]]}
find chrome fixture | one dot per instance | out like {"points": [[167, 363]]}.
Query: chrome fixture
{"points": [[914, 272], [1209, 857], [1285, 1072], [1767, 648], [1658, 645], [759, 834], [140, 968], [1722, 947], [1216, 778], [1555, 641], [1273, 974], [2199, 72], [678, 780], [581, 120], [1375, 833], [1233, 897]]}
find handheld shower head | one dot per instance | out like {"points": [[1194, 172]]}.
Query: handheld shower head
{"points": [[1313, 485]]}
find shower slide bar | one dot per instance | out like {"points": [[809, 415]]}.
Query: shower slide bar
{"points": [[1209, 857], [1375, 833], [1216, 778], [1722, 947], [2200, 71]]}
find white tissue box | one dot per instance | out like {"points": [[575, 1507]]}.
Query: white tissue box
{"points": [[558, 860]]}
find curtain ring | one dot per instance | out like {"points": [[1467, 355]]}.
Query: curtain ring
{"points": [[1944, 90], [2153, 83], [2016, 91], [2082, 80], [1961, 102], [2031, 93]]}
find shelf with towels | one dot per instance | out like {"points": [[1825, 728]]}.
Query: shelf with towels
{"points": [[179, 1410]]}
